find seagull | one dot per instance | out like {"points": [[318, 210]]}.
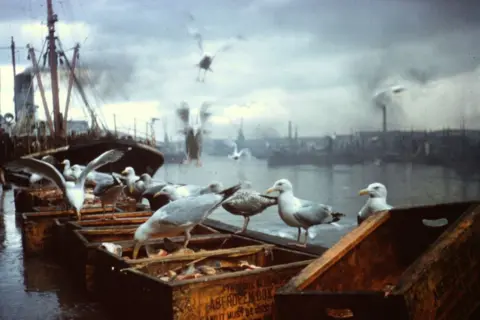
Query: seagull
{"points": [[156, 202], [247, 203], [193, 132], [207, 58], [301, 213], [176, 192], [180, 216], [77, 171], [34, 178], [236, 155], [130, 178], [73, 192], [109, 193], [376, 202], [67, 171]]}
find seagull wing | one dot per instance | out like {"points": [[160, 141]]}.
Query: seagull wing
{"points": [[311, 213], [109, 156], [228, 45], [39, 167], [204, 113], [183, 112], [246, 152]]}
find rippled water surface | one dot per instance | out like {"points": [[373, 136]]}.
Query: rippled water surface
{"points": [[39, 289]]}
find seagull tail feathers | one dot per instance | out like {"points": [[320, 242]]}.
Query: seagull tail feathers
{"points": [[227, 193]]}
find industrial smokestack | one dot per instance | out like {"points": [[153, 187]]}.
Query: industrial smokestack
{"points": [[289, 130]]}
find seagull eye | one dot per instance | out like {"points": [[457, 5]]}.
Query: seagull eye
{"points": [[376, 188]]}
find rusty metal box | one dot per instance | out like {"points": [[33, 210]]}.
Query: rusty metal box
{"points": [[400, 264]]}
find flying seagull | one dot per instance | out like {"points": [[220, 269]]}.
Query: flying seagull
{"points": [[236, 155], [194, 132], [73, 192], [207, 58]]}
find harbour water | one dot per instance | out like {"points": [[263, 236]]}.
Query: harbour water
{"points": [[39, 289]]}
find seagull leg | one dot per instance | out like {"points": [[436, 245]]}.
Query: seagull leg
{"points": [[114, 204], [198, 74], [199, 163], [298, 238], [188, 236], [79, 216], [245, 224]]}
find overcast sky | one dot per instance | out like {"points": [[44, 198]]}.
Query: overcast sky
{"points": [[314, 62]]}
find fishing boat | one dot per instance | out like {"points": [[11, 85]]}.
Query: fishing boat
{"points": [[24, 136]]}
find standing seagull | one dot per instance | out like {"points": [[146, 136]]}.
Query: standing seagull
{"points": [[109, 193], [180, 216], [301, 213], [377, 201], [194, 132], [73, 192], [247, 203]]}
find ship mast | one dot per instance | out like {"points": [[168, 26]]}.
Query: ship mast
{"points": [[53, 59]]}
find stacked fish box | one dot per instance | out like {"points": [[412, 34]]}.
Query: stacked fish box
{"points": [[414, 263], [27, 199], [84, 242], [219, 276], [63, 230]]}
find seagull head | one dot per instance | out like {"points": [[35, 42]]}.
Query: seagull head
{"points": [[168, 191], [141, 235], [66, 162], [281, 186], [374, 190], [215, 187], [128, 171]]}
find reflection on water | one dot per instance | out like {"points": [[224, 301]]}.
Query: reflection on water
{"points": [[39, 289]]}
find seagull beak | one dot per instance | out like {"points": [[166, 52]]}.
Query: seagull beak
{"points": [[270, 190], [63, 162], [363, 192], [136, 248], [124, 172], [131, 188]]}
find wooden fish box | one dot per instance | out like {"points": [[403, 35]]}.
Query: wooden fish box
{"points": [[25, 200], [108, 265], [245, 294], [64, 226], [82, 251], [37, 231], [395, 265]]}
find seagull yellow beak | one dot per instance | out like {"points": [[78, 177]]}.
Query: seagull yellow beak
{"points": [[270, 190], [363, 192], [131, 188], [136, 248], [63, 162], [124, 172]]}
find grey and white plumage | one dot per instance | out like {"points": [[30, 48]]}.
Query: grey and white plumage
{"points": [[377, 201], [130, 179], [158, 201], [247, 203], [300, 213], [207, 58], [73, 192], [180, 216], [108, 193], [194, 131], [189, 190], [236, 155]]}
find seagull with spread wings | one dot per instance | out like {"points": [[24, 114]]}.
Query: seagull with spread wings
{"points": [[194, 131], [207, 58], [73, 192]]}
